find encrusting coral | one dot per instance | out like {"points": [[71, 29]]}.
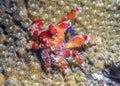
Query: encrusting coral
{"points": [[20, 62]]}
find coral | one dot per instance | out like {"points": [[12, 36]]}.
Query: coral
{"points": [[97, 18], [2, 79]]}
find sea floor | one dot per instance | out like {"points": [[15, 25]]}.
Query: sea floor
{"points": [[19, 65]]}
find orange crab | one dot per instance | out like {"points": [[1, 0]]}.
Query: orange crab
{"points": [[52, 42]]}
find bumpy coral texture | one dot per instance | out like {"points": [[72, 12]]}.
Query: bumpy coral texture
{"points": [[22, 55]]}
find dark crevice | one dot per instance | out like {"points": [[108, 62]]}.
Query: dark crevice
{"points": [[4, 29], [114, 73], [21, 27]]}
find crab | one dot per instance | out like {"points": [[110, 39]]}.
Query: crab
{"points": [[55, 49]]}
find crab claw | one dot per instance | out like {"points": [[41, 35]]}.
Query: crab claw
{"points": [[75, 42]]}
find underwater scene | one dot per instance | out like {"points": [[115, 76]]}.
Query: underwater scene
{"points": [[59, 42]]}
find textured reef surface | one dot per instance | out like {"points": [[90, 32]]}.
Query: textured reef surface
{"points": [[59, 42]]}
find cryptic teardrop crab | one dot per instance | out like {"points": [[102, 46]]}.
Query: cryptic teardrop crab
{"points": [[55, 50]]}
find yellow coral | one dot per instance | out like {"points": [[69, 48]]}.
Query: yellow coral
{"points": [[2, 79]]}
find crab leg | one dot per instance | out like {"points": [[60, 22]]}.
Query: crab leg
{"points": [[79, 40], [72, 14], [47, 60], [61, 62]]}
